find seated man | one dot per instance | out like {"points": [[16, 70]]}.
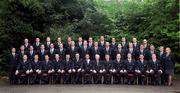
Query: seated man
{"points": [[23, 70], [142, 70], [155, 70], [99, 70], [46, 70], [77, 65], [69, 70], [130, 69], [87, 69], [110, 70], [119, 67], [59, 68], [36, 67]]}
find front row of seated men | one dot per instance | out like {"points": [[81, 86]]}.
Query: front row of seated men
{"points": [[78, 71]]}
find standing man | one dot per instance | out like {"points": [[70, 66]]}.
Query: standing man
{"points": [[12, 63]]}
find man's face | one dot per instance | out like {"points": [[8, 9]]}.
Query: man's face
{"points": [[134, 40], [48, 39], [22, 48], [46, 57], [31, 48], [25, 57], [113, 40], [161, 49], [97, 57], [90, 39], [56, 56], [77, 56], [118, 56], [141, 57], [52, 45], [37, 40], [42, 47], [36, 57], [87, 56], [13, 50], [26, 40]]}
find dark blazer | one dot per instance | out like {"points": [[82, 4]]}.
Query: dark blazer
{"points": [[24, 66], [119, 65], [99, 65], [51, 54], [68, 65], [109, 65], [57, 64], [142, 66], [110, 51], [78, 63], [31, 56], [87, 67], [73, 52], [155, 65], [26, 48], [42, 55], [83, 52], [36, 65], [21, 54], [94, 52], [134, 54], [169, 62], [123, 53], [130, 66], [13, 62], [46, 66], [36, 47], [62, 53]]}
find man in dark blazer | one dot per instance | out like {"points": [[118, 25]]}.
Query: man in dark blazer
{"points": [[133, 51], [36, 66], [78, 62], [99, 70], [113, 45], [21, 52], [110, 69], [46, 70], [87, 69], [31, 53], [121, 51], [160, 56], [107, 50], [72, 50], [51, 52], [42, 52], [101, 42], [155, 70], [130, 69], [13, 59], [119, 66], [84, 50], [61, 51], [23, 70], [26, 44], [96, 50], [37, 44], [47, 43], [135, 43], [57, 43], [142, 70], [69, 70], [124, 43]]}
